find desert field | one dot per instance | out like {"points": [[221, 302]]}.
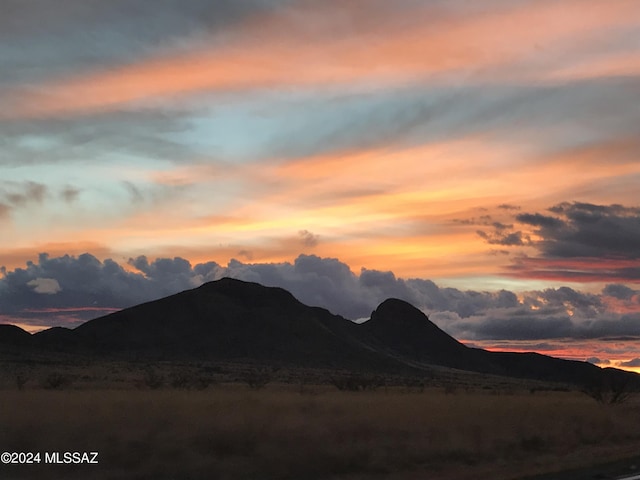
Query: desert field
{"points": [[287, 431]]}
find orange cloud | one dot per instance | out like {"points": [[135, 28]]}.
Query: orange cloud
{"points": [[306, 46], [619, 65], [622, 306], [371, 206], [382, 208]]}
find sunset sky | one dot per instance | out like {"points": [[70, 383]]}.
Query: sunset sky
{"points": [[479, 159]]}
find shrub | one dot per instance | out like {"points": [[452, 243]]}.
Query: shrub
{"points": [[21, 380], [181, 380], [450, 388], [257, 378], [414, 384], [610, 390], [153, 379], [356, 382], [56, 381], [186, 381]]}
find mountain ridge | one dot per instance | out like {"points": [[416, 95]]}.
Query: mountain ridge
{"points": [[233, 320]]}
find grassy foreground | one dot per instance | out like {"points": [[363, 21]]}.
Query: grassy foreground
{"points": [[231, 432]]}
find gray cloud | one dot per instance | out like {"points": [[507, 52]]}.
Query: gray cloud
{"points": [[93, 35], [485, 220], [70, 194], [508, 206], [171, 274], [631, 363], [576, 241], [38, 41], [87, 284], [19, 194], [142, 133], [135, 194], [516, 325], [538, 220], [587, 230], [15, 195], [82, 281], [308, 239], [502, 234], [621, 292], [499, 237], [422, 113], [4, 210]]}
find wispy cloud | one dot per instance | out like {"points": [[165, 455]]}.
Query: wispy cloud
{"points": [[341, 43]]}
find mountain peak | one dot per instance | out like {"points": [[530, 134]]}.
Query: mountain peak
{"points": [[407, 331], [236, 321], [250, 292], [399, 313]]}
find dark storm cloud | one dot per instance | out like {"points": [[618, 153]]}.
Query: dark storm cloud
{"points": [[519, 326], [546, 323], [172, 274], [324, 282], [537, 315], [83, 280], [88, 284], [539, 220], [45, 291], [503, 238], [576, 241], [588, 230], [502, 234], [621, 292], [563, 295]]}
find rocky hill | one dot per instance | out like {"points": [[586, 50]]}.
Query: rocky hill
{"points": [[232, 320]]}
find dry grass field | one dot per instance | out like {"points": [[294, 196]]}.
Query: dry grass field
{"points": [[233, 432]]}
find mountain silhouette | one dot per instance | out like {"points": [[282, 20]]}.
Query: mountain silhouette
{"points": [[401, 330], [228, 320], [239, 321], [10, 335]]}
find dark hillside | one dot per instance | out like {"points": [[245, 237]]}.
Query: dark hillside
{"points": [[14, 336], [232, 320]]}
